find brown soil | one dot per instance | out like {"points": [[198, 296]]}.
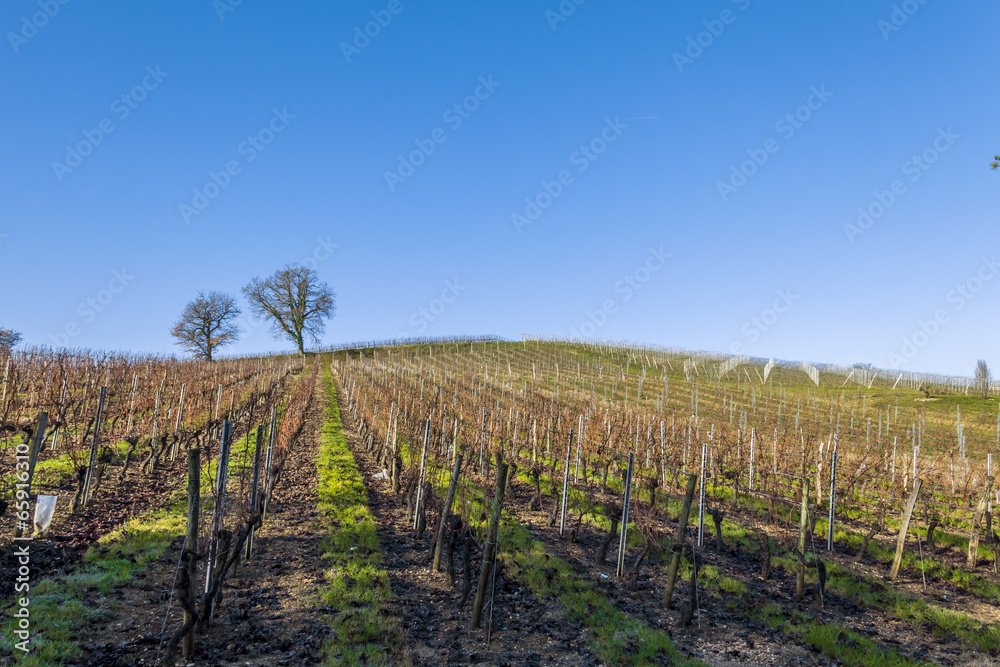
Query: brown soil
{"points": [[111, 505]]}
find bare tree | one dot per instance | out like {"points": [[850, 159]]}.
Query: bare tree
{"points": [[9, 338], [207, 323], [983, 378], [295, 300]]}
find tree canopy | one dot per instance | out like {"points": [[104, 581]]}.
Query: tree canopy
{"points": [[295, 301], [9, 338], [207, 323]]}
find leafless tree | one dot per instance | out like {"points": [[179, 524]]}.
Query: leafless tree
{"points": [[983, 378], [9, 338], [296, 302], [207, 323]]}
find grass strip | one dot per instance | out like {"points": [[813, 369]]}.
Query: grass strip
{"points": [[356, 587], [848, 647]]}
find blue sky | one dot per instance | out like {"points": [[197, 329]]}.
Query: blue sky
{"points": [[631, 126]]}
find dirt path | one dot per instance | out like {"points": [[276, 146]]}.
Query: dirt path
{"points": [[268, 614]]}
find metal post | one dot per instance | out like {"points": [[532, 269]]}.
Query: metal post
{"points": [[59, 416], [253, 488], [624, 529], [219, 511], [177, 424], [701, 497], [565, 493], [579, 440], [131, 403], [268, 482], [833, 498], [482, 441], [663, 451], [420, 479]]}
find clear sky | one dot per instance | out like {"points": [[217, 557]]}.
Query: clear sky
{"points": [[684, 174]]}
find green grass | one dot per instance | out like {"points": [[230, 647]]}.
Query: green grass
{"points": [[940, 622], [356, 587], [615, 638], [849, 647], [62, 607]]}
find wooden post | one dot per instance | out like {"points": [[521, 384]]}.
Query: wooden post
{"points": [[39, 436], [901, 540], [753, 442], [177, 424], [976, 519], [800, 577], [624, 529], [93, 446], [191, 540], [489, 549], [449, 499], [675, 559], [6, 372], [565, 493], [253, 489], [43, 418]]}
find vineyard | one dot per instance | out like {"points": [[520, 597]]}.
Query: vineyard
{"points": [[490, 502]]}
